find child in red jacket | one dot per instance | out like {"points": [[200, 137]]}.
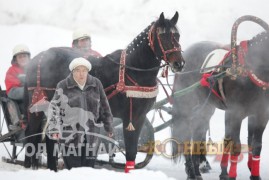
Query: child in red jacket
{"points": [[15, 76]]}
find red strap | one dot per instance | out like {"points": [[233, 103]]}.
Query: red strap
{"points": [[205, 83], [170, 99], [132, 81]]}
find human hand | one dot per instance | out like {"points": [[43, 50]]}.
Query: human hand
{"points": [[55, 136], [110, 134]]}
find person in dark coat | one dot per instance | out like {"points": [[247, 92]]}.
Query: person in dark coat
{"points": [[78, 109]]}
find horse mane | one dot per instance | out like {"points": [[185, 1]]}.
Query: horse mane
{"points": [[140, 40], [261, 37]]}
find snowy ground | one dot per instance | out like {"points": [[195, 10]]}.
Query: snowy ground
{"points": [[44, 24]]}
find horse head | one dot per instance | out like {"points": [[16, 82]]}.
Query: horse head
{"points": [[164, 42]]}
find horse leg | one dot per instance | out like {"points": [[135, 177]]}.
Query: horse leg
{"points": [[33, 136], [131, 141], [226, 153], [204, 164], [181, 130], [262, 119], [50, 144], [51, 157], [235, 119], [251, 128], [200, 126]]}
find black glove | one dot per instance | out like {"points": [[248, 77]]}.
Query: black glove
{"points": [[22, 78]]}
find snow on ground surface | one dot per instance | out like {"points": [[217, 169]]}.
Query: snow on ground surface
{"points": [[45, 24]]}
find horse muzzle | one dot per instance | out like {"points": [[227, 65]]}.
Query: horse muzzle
{"points": [[177, 66]]}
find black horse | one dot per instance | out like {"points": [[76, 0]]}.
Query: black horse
{"points": [[243, 97], [159, 41]]}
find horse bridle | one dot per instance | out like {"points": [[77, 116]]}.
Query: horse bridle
{"points": [[176, 48]]}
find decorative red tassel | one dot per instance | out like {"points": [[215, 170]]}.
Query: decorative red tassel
{"points": [[255, 168], [233, 168], [130, 165]]}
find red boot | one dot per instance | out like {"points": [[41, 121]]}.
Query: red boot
{"points": [[129, 166], [255, 169]]}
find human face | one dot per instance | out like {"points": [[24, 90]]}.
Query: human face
{"points": [[22, 59], [80, 74], [84, 43]]}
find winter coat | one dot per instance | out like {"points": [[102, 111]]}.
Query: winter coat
{"points": [[79, 111], [14, 86]]}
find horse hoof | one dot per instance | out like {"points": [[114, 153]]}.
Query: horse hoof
{"points": [[255, 178], [34, 167], [27, 163], [223, 177], [190, 178], [204, 167], [199, 178]]}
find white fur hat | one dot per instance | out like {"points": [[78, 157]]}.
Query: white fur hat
{"points": [[80, 62], [81, 34]]}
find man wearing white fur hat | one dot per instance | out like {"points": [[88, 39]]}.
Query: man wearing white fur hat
{"points": [[81, 105], [82, 41]]}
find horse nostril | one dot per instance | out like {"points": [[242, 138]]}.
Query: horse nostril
{"points": [[182, 63], [177, 65]]}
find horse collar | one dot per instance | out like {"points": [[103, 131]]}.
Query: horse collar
{"points": [[136, 90]]}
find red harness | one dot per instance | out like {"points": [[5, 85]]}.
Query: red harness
{"points": [[204, 80], [243, 49], [121, 86], [39, 93]]}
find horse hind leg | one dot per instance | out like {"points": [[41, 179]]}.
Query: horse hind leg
{"points": [[251, 127], [33, 136], [261, 123], [234, 118], [226, 152]]}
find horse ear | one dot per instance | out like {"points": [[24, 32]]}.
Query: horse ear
{"points": [[161, 19], [174, 19]]}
